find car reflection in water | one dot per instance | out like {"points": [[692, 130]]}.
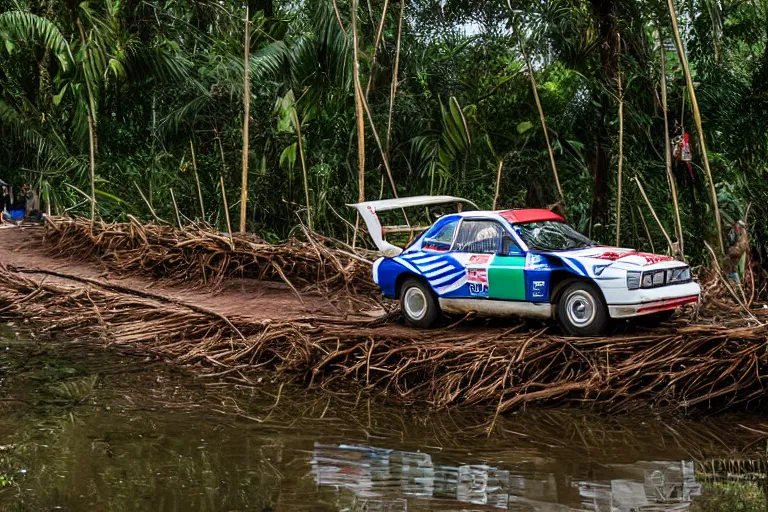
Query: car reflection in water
{"points": [[378, 479]]}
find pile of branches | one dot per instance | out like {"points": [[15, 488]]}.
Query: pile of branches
{"points": [[199, 254], [692, 367]]}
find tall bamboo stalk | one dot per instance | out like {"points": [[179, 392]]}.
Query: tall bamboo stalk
{"points": [[91, 128], [668, 145], [226, 211], [246, 121], [376, 46], [92, 153], [395, 70], [358, 108], [197, 181], [541, 115], [621, 149], [176, 209], [498, 183], [653, 212], [303, 165], [697, 118]]}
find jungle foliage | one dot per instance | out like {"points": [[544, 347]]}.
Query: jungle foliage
{"points": [[155, 90]]}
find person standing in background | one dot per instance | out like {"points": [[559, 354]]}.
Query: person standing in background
{"points": [[31, 203], [6, 205], [738, 245]]}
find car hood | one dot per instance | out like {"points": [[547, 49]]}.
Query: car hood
{"points": [[628, 259]]}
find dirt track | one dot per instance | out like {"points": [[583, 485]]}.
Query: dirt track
{"points": [[237, 298]]}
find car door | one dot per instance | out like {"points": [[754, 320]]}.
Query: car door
{"points": [[495, 266]]}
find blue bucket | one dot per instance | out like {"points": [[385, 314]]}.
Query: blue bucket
{"points": [[16, 214]]}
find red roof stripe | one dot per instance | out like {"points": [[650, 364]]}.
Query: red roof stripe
{"points": [[529, 215]]}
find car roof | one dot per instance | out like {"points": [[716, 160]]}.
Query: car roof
{"points": [[518, 216]]}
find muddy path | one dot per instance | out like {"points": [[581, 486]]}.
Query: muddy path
{"points": [[238, 298]]}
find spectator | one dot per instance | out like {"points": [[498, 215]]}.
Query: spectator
{"points": [[738, 245]]}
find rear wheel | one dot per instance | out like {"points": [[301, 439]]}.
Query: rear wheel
{"points": [[581, 310], [419, 304]]}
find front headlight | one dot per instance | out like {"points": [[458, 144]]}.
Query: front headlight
{"points": [[678, 275], [633, 280], [656, 278]]}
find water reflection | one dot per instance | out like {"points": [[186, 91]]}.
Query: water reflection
{"points": [[85, 429], [378, 477]]}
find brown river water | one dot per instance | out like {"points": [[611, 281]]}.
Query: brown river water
{"points": [[85, 428]]}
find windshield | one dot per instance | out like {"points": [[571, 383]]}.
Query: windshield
{"points": [[547, 235]]}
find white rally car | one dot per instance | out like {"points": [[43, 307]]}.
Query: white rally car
{"points": [[527, 263]]}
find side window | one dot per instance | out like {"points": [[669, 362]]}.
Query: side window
{"points": [[482, 237], [440, 239]]}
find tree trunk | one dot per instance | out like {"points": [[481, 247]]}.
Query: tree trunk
{"points": [[607, 38], [699, 127], [246, 122]]}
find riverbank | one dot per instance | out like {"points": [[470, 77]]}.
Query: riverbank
{"points": [[341, 338]]}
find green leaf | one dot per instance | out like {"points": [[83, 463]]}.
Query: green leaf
{"points": [[524, 127], [288, 157], [57, 98], [9, 46]]}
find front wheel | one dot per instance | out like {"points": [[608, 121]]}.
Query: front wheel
{"points": [[581, 310], [419, 304]]}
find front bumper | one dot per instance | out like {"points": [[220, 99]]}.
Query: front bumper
{"points": [[654, 300]]}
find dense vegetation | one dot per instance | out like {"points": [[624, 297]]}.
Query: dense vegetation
{"points": [[144, 84]]}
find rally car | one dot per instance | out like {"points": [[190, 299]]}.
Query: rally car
{"points": [[527, 263]]}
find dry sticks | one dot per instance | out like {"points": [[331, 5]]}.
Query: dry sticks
{"points": [[692, 367], [199, 255]]}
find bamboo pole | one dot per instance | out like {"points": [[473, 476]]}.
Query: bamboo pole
{"points": [[621, 147], [668, 145], [645, 227], [197, 181], [498, 183], [541, 115], [376, 46], [303, 166], [176, 209], [699, 127], [226, 211], [246, 121], [92, 154], [149, 205], [395, 70], [360, 117], [653, 212], [358, 108]]}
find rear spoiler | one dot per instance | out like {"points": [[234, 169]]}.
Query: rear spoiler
{"points": [[368, 211]]}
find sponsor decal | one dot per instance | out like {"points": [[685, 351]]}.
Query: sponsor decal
{"points": [[648, 258], [478, 281], [536, 262], [479, 259], [478, 289], [539, 289]]}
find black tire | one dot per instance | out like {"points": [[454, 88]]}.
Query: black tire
{"points": [[581, 310], [419, 304]]}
